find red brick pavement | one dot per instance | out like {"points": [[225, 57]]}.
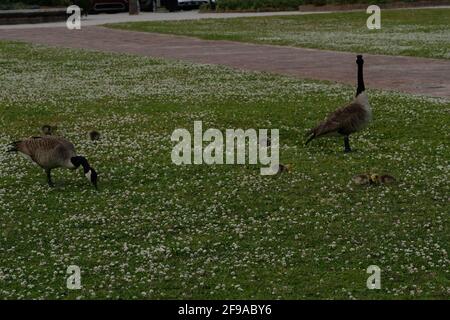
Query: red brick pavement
{"points": [[405, 74]]}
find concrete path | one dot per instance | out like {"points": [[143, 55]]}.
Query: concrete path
{"points": [[406, 74], [104, 18]]}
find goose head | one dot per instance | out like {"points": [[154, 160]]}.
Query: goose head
{"points": [[92, 176], [89, 172], [359, 60]]}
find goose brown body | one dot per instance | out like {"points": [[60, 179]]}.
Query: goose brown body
{"points": [[49, 152], [346, 120], [349, 119]]}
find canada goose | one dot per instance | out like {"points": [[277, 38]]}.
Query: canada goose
{"points": [[349, 119], [373, 178], [48, 130], [50, 152], [94, 135]]}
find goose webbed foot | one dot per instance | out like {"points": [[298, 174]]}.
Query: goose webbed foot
{"points": [[347, 148]]}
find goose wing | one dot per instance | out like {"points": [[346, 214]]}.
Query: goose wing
{"points": [[344, 121], [47, 151]]}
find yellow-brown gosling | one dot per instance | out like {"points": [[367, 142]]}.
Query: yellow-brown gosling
{"points": [[284, 168], [361, 179], [373, 178], [349, 119], [50, 152], [382, 179]]}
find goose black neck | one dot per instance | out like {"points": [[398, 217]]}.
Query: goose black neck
{"points": [[81, 161], [361, 87]]}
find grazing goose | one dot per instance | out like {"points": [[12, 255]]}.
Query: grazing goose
{"points": [[349, 119], [50, 152]]}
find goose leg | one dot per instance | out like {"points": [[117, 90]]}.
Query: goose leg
{"points": [[347, 144], [49, 178]]}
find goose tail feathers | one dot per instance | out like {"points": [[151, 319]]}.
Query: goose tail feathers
{"points": [[13, 146]]}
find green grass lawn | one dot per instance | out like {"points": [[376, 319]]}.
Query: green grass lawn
{"points": [[157, 230], [421, 33]]}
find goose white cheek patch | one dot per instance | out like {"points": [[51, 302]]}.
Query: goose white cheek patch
{"points": [[88, 175]]}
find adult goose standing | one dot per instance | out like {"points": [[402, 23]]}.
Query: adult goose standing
{"points": [[349, 119], [50, 152]]}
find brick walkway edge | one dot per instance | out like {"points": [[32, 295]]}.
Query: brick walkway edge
{"points": [[405, 74]]}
